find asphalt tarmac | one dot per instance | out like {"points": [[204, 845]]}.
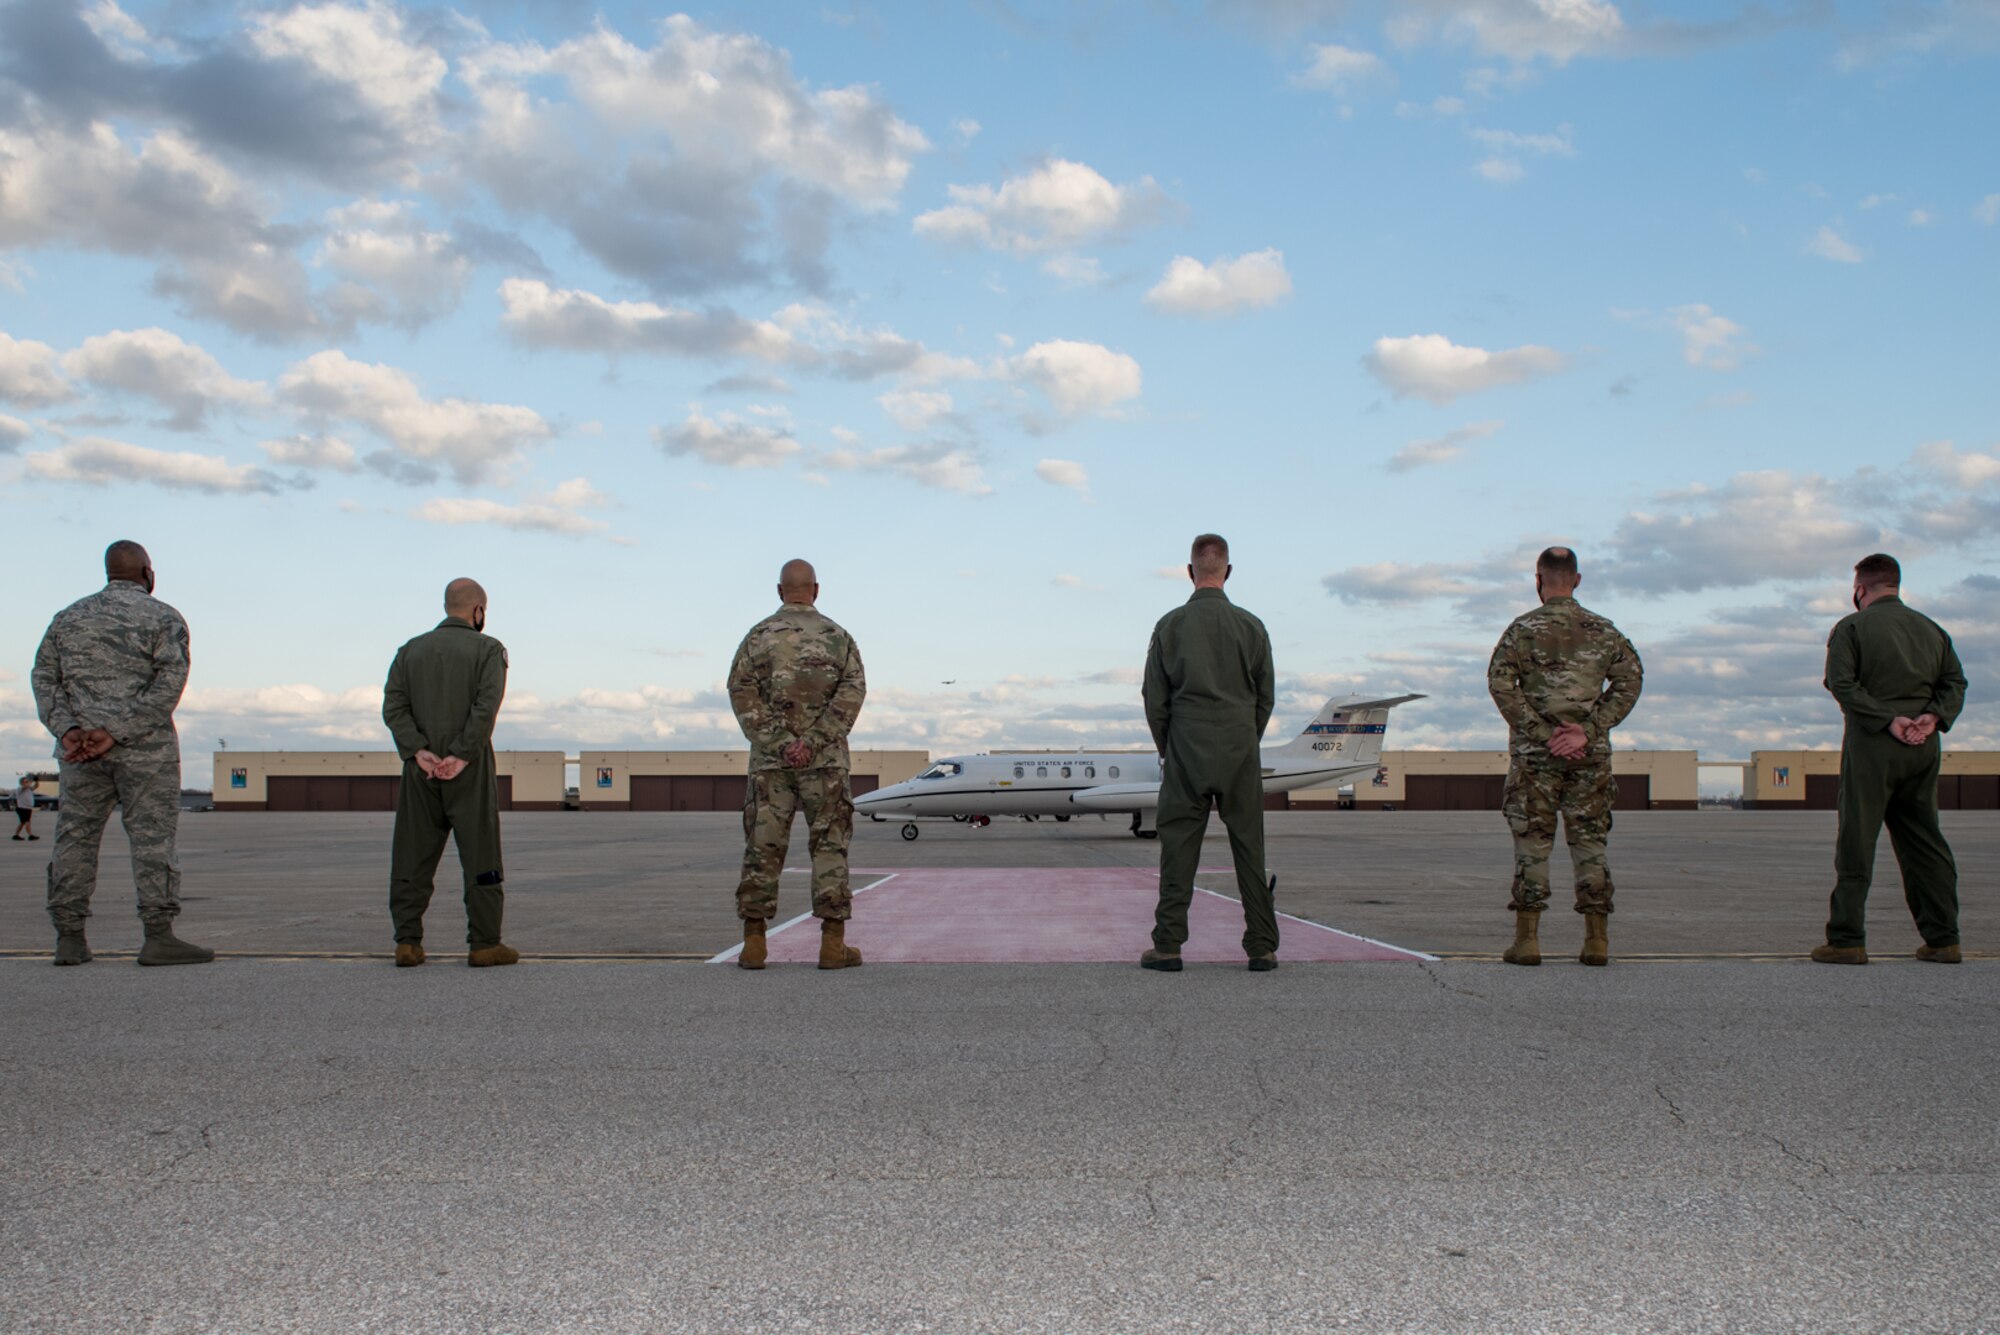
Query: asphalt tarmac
{"points": [[620, 1143], [1697, 883]]}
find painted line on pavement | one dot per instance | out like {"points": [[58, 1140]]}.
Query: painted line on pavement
{"points": [[737, 949], [1308, 922]]}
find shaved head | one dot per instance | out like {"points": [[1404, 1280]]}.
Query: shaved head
{"points": [[1208, 561], [126, 560], [798, 583], [462, 597]]}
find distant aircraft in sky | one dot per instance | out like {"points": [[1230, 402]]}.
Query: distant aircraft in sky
{"points": [[1344, 739]]}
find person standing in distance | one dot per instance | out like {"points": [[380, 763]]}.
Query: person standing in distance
{"points": [[441, 701], [1563, 678], [1899, 685], [1209, 690], [24, 807], [107, 678], [797, 686]]}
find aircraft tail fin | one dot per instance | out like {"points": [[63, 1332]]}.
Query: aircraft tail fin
{"points": [[1351, 727]]}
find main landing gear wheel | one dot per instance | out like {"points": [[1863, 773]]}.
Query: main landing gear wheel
{"points": [[1062, 818], [910, 831]]}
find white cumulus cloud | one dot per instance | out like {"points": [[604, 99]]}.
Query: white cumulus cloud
{"points": [[945, 467], [1079, 378], [1831, 245], [1338, 68], [1710, 341], [330, 453], [1058, 204], [394, 268], [160, 365], [915, 409], [1064, 473], [29, 374], [727, 441], [1222, 286], [366, 49], [14, 433], [476, 441], [97, 461], [539, 315], [1520, 30], [1432, 367], [561, 511], [1443, 449]]}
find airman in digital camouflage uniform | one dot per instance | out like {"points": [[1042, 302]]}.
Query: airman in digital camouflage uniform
{"points": [[1209, 689], [441, 701], [797, 686], [107, 678], [1563, 678], [1899, 684]]}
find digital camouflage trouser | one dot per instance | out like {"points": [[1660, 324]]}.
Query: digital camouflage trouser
{"points": [[1881, 779], [149, 791], [467, 809], [1581, 793], [771, 797], [1204, 763]]}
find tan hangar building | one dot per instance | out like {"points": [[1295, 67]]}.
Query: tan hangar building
{"points": [[709, 780], [1810, 781], [1474, 780], [365, 780]]}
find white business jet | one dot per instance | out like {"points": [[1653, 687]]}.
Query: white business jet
{"points": [[1343, 740]]}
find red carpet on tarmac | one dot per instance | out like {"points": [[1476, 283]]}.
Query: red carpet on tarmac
{"points": [[1047, 915]]}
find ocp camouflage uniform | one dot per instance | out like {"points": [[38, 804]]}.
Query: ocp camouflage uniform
{"points": [[117, 660], [1561, 663], [797, 677]]}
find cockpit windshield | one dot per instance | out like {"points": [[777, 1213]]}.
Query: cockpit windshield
{"points": [[942, 770]]}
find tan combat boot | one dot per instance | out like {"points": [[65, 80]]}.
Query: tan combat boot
{"points": [[71, 948], [1527, 947], [834, 952], [1950, 954], [754, 952], [1839, 955], [1596, 941], [409, 954], [487, 957]]}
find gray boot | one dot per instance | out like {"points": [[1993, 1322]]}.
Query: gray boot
{"points": [[163, 947], [71, 948]]}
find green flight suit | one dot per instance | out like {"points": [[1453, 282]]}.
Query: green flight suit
{"points": [[1209, 691], [1886, 662], [443, 695]]}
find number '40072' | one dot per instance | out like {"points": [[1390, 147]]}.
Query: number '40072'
{"points": [[1329, 746]]}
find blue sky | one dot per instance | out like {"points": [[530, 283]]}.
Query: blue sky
{"points": [[987, 310]]}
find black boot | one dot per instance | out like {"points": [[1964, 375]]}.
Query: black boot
{"points": [[163, 947]]}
